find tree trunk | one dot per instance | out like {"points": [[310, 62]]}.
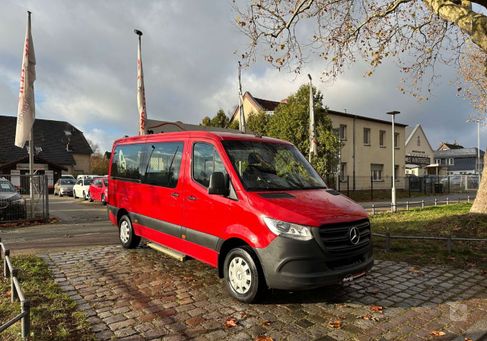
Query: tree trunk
{"points": [[480, 203]]}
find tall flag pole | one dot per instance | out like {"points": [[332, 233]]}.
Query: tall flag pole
{"points": [[241, 122], [26, 107], [140, 87], [313, 149]]}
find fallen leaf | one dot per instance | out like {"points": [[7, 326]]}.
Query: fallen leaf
{"points": [[266, 323], [413, 269], [264, 338], [231, 322], [468, 339], [368, 317], [437, 333], [377, 308], [337, 324]]}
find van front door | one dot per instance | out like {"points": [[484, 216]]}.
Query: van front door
{"points": [[205, 215]]}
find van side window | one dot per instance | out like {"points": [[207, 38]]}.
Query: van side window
{"points": [[206, 161], [162, 168], [127, 161]]}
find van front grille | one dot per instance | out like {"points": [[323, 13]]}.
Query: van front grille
{"points": [[335, 238]]}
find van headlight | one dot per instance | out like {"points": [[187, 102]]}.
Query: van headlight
{"points": [[290, 230]]}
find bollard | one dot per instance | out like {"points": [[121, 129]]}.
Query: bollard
{"points": [[436, 202], [13, 291], [373, 209], [468, 199], [407, 205], [6, 270], [447, 200], [25, 306], [422, 204]]}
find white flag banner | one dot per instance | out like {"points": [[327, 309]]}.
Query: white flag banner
{"points": [[26, 108], [140, 90]]}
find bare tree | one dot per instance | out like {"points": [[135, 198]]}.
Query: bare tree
{"points": [[418, 34], [474, 85]]}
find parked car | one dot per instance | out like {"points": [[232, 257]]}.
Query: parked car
{"points": [[252, 207], [86, 176], [81, 188], [12, 205], [64, 186], [99, 190], [67, 176]]}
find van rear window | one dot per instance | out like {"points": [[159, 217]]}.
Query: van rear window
{"points": [[153, 163]]}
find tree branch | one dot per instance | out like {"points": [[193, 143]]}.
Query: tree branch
{"points": [[296, 12]]}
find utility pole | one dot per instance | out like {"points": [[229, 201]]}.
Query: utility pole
{"points": [[241, 122], [313, 150]]}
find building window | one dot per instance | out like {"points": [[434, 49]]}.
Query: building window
{"points": [[451, 162], [419, 141], [382, 137], [438, 161], [376, 171], [367, 136], [396, 140], [343, 171], [342, 132]]}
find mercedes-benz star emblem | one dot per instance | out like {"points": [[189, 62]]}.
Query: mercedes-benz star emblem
{"points": [[354, 235]]}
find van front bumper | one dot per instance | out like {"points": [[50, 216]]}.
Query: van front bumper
{"points": [[290, 264]]}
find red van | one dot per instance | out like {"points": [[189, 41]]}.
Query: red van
{"points": [[250, 206]]}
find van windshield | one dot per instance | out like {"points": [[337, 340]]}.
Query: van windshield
{"points": [[271, 166]]}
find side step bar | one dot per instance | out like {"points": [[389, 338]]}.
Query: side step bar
{"points": [[170, 252]]}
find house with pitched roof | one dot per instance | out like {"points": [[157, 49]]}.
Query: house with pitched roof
{"points": [[458, 161], [254, 105], [419, 153], [59, 148]]}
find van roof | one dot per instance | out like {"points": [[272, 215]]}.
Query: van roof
{"points": [[216, 135]]}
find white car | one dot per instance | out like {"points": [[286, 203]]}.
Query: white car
{"points": [[81, 189]]}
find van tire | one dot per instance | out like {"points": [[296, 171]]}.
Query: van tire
{"points": [[128, 238], [244, 258]]}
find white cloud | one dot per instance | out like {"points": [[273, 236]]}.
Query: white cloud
{"points": [[86, 55]]}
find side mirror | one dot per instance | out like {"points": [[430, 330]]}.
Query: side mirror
{"points": [[218, 184]]}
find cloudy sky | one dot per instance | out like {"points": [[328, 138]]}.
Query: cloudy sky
{"points": [[86, 70]]}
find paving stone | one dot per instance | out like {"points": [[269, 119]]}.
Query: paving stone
{"points": [[163, 299]]}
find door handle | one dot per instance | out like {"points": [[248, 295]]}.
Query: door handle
{"points": [[175, 195], [192, 198]]}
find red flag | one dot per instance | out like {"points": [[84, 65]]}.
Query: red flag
{"points": [[26, 107]]}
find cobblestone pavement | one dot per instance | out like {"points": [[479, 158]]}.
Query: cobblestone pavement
{"points": [[142, 294]]}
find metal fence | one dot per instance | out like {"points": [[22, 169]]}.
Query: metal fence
{"points": [[16, 293], [18, 203], [413, 204], [370, 188], [449, 240]]}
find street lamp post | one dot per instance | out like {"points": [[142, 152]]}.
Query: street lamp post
{"points": [[477, 120], [393, 190]]}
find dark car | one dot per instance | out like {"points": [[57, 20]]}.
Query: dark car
{"points": [[12, 205]]}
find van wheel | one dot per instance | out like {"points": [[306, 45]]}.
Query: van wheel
{"points": [[243, 278], [127, 236], [103, 201], [89, 197], [84, 195], [74, 195]]}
